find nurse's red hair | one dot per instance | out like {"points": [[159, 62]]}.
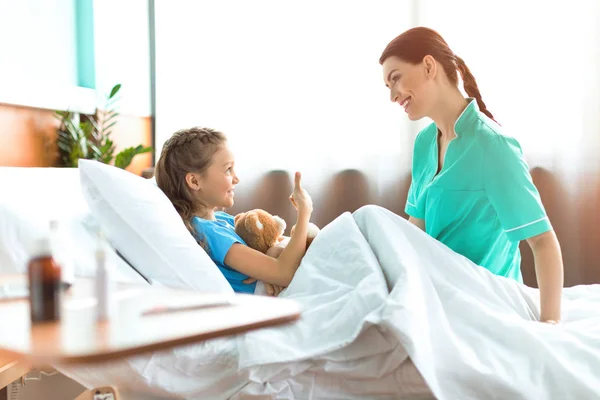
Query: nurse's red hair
{"points": [[416, 43]]}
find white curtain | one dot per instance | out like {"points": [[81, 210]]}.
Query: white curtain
{"points": [[297, 85], [294, 85], [537, 65]]}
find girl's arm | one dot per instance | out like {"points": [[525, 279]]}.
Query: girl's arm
{"points": [[549, 273], [276, 271]]}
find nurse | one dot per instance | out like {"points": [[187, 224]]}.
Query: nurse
{"points": [[471, 187]]}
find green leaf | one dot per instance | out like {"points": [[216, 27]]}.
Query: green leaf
{"points": [[108, 149], [62, 135], [125, 157], [90, 136], [61, 115], [109, 143], [141, 149], [114, 90], [83, 147], [110, 118], [109, 126], [72, 129], [94, 123], [97, 152], [64, 147], [87, 129]]}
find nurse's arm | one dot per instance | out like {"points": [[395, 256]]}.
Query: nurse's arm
{"points": [[418, 222], [549, 273]]}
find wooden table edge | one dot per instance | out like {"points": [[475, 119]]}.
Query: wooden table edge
{"points": [[151, 347], [12, 371]]}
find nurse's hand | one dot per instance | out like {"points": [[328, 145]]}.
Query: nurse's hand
{"points": [[417, 222]]}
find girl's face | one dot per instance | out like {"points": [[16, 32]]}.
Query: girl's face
{"points": [[411, 86], [215, 186]]}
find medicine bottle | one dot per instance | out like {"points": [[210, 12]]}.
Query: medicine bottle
{"points": [[44, 275]]}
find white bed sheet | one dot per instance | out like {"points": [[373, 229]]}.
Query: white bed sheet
{"points": [[375, 291], [474, 335], [336, 350]]}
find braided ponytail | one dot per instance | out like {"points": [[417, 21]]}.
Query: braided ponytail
{"points": [[187, 150], [470, 85], [416, 43]]}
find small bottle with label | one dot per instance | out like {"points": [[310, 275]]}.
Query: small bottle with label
{"points": [[44, 275]]}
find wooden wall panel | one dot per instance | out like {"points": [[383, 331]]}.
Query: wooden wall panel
{"points": [[574, 215], [131, 131], [27, 137]]}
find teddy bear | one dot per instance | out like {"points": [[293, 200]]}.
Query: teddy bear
{"points": [[264, 232]]}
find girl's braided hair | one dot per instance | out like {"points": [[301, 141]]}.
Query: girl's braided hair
{"points": [[187, 150]]}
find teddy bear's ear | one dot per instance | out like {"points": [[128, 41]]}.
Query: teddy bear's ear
{"points": [[313, 231], [237, 218], [253, 223], [280, 224]]}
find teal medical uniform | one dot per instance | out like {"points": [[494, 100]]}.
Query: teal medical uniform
{"points": [[483, 201]]}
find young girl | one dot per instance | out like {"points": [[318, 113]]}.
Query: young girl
{"points": [[196, 170]]}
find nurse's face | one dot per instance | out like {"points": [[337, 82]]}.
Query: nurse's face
{"points": [[411, 85]]}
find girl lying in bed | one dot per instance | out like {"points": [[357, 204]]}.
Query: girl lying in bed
{"points": [[196, 172]]}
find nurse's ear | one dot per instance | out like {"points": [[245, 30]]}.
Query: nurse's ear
{"points": [[430, 67]]}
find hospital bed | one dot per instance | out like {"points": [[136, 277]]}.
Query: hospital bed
{"points": [[33, 196], [132, 330]]}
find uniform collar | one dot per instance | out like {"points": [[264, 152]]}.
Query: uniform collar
{"points": [[465, 120]]}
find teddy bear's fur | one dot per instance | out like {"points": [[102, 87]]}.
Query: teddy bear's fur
{"points": [[259, 229], [264, 232], [312, 233]]}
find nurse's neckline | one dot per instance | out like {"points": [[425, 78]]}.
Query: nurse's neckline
{"points": [[468, 115]]}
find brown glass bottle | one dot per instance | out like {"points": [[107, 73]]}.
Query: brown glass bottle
{"points": [[44, 283]]}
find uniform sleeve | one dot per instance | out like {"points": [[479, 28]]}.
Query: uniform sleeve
{"points": [[412, 202], [511, 191], [218, 239]]}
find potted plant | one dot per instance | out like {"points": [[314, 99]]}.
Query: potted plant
{"points": [[88, 136]]}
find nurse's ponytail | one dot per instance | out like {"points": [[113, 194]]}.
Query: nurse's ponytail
{"points": [[470, 85], [416, 43]]}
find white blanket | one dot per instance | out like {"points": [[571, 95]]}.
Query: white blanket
{"points": [[375, 289], [472, 335]]}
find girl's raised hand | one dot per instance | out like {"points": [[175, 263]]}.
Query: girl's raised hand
{"points": [[300, 197]]}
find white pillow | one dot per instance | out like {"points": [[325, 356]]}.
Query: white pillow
{"points": [[142, 224], [38, 195], [30, 198]]}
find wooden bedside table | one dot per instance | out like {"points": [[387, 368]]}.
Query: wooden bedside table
{"points": [[79, 339]]}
